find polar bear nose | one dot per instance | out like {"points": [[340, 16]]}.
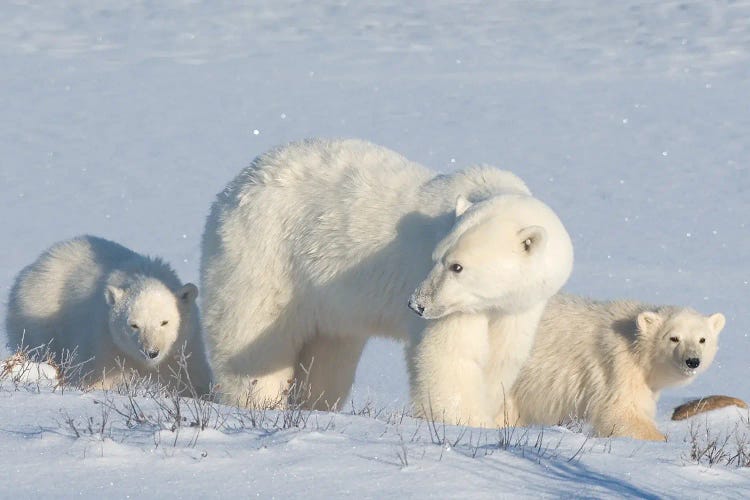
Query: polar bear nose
{"points": [[417, 308], [693, 362], [152, 353]]}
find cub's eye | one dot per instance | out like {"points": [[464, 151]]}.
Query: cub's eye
{"points": [[134, 326], [674, 339], [164, 323], [456, 268], [702, 340], [527, 244]]}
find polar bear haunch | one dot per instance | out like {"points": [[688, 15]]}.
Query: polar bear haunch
{"points": [[316, 247]]}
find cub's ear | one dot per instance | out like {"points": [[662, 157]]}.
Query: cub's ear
{"points": [[462, 205], [647, 321], [717, 322], [188, 293], [532, 239], [113, 294]]}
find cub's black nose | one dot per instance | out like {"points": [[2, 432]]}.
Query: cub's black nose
{"points": [[693, 362], [152, 354], [417, 308]]}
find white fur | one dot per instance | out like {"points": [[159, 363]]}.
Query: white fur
{"points": [[315, 248], [512, 254], [103, 301], [606, 362]]}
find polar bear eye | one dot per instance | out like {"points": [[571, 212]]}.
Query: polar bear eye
{"points": [[456, 268], [134, 326], [702, 340], [527, 244], [674, 339], [164, 323]]}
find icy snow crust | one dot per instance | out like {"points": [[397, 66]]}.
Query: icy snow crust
{"points": [[629, 118]]}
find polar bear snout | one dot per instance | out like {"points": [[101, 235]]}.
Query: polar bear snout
{"points": [[693, 363], [416, 307]]}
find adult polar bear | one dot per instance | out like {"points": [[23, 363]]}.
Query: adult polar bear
{"points": [[317, 246]]}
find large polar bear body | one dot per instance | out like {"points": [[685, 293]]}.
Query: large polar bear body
{"points": [[315, 248], [109, 306], [606, 363]]}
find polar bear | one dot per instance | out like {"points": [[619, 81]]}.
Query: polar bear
{"points": [[317, 246], [492, 277], [103, 301], [606, 363]]}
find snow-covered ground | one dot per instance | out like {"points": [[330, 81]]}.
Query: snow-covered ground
{"points": [[630, 118]]}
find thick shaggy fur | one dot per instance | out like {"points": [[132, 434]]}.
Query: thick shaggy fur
{"points": [[313, 249], [491, 279], [606, 363], [103, 301]]}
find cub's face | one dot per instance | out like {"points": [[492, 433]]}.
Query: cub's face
{"points": [[145, 319], [684, 344], [509, 253]]}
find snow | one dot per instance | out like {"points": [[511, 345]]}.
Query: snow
{"points": [[629, 118]]}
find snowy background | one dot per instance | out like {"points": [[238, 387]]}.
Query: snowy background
{"points": [[631, 119]]}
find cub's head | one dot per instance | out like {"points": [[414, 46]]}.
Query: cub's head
{"points": [[145, 316], [509, 253], [680, 344]]}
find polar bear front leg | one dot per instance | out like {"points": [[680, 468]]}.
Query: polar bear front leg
{"points": [[511, 338], [448, 371], [326, 369]]}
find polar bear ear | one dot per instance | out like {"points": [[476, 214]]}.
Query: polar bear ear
{"points": [[647, 321], [716, 322], [462, 205], [532, 239], [113, 294], [188, 293]]}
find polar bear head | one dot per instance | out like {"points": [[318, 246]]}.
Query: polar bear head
{"points": [[145, 317], [507, 253], [678, 343]]}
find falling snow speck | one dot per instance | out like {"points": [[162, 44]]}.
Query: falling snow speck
{"points": [[283, 116], [665, 153], [453, 160], [688, 235], [256, 132]]}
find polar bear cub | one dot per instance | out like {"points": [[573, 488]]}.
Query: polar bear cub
{"points": [[489, 284], [317, 246], [606, 362], [103, 301]]}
